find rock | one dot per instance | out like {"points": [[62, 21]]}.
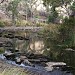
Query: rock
{"points": [[0, 34], [19, 37], [43, 59], [8, 44], [9, 56], [18, 60], [49, 68], [54, 65], [1, 44], [26, 38], [67, 68], [9, 36], [26, 62], [38, 57], [43, 64], [34, 61], [23, 57]]}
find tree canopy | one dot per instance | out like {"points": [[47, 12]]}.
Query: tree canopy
{"points": [[56, 3], [1, 1]]}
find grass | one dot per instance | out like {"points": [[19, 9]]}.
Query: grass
{"points": [[1, 50], [14, 71]]}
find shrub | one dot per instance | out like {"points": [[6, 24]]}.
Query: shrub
{"points": [[2, 24], [1, 50]]}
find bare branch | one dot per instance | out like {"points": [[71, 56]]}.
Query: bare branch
{"points": [[1, 1]]}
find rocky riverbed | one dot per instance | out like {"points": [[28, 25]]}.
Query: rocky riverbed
{"points": [[8, 67]]}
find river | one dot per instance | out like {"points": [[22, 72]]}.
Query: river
{"points": [[37, 69], [45, 46]]}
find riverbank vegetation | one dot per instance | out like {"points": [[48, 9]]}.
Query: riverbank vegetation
{"points": [[58, 32]]}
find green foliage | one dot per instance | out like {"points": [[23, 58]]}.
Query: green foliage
{"points": [[53, 4], [50, 39], [56, 3], [2, 24], [67, 32], [23, 23], [52, 17], [12, 7], [59, 37], [1, 50], [73, 6], [7, 23]]}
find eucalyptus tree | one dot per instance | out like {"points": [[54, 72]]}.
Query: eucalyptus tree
{"points": [[31, 5], [56, 3], [51, 6], [12, 7], [12, 10], [65, 38]]}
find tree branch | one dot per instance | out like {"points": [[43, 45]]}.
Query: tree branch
{"points": [[2, 1]]}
